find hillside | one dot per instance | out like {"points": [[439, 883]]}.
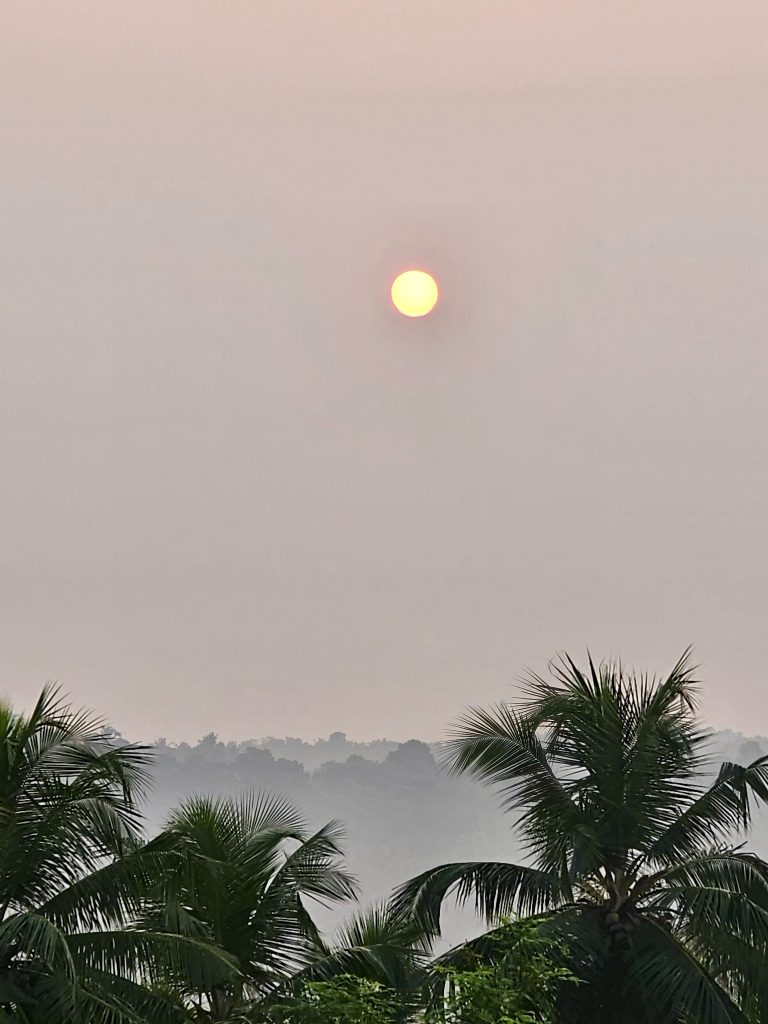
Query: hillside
{"points": [[401, 812]]}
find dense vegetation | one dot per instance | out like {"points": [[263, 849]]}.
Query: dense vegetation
{"points": [[632, 898]]}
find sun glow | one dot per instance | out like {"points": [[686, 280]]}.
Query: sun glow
{"points": [[414, 293]]}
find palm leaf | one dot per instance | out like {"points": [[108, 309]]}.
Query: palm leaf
{"points": [[498, 889]]}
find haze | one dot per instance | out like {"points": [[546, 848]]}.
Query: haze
{"points": [[240, 493]]}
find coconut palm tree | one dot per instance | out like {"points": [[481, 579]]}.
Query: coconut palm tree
{"points": [[242, 874], [633, 856], [73, 875]]}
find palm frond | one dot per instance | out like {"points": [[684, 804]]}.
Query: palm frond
{"points": [[503, 748], [673, 982], [722, 809], [498, 890], [377, 944]]}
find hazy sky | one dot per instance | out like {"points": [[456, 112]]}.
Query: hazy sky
{"points": [[239, 492]]}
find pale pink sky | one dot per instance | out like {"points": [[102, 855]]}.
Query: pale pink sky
{"points": [[240, 493]]}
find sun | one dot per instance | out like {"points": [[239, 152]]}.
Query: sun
{"points": [[414, 293]]}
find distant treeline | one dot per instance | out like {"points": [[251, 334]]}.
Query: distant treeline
{"points": [[313, 754], [310, 754], [401, 812]]}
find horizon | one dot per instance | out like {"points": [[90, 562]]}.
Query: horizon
{"points": [[714, 728]]}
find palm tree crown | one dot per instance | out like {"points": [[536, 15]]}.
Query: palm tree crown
{"points": [[632, 850], [73, 875], [239, 873]]}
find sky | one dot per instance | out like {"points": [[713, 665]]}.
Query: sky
{"points": [[240, 493]]}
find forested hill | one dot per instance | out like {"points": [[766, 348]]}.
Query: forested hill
{"points": [[313, 754], [310, 754], [401, 813]]}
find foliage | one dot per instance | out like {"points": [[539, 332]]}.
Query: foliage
{"points": [[514, 976], [379, 945], [238, 874], [632, 858], [73, 874], [342, 1000]]}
